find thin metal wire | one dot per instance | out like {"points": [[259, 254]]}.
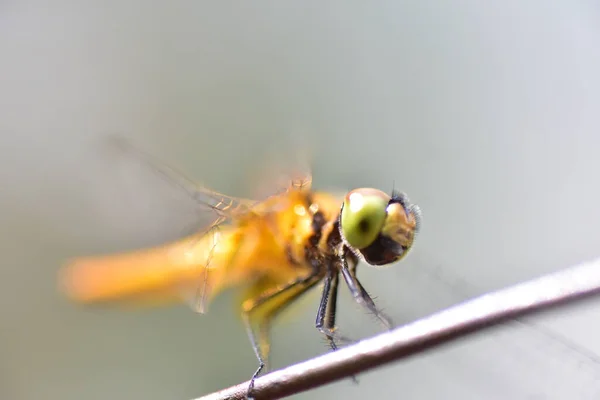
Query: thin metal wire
{"points": [[567, 286]]}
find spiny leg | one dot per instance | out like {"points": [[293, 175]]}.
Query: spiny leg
{"points": [[325, 321], [273, 301], [360, 295], [272, 313], [332, 308], [387, 321], [327, 311]]}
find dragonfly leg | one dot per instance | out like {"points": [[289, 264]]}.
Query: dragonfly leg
{"points": [[325, 321], [326, 314], [361, 296], [259, 310]]}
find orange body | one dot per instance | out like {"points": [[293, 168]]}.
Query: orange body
{"points": [[276, 250], [266, 241]]}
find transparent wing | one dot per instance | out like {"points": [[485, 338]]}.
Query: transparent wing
{"points": [[287, 164], [207, 249], [197, 267], [226, 207]]}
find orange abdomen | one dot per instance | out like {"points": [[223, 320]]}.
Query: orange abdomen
{"points": [[170, 269]]}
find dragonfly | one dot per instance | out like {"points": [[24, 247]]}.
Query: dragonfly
{"points": [[273, 249]]}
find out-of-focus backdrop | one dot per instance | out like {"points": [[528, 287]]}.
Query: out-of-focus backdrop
{"points": [[486, 114]]}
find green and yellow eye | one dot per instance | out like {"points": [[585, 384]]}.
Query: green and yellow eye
{"points": [[363, 216]]}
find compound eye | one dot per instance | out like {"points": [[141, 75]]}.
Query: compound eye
{"points": [[363, 216]]}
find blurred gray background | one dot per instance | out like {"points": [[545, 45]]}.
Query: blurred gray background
{"points": [[485, 114]]}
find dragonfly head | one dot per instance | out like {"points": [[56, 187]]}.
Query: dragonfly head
{"points": [[379, 227]]}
